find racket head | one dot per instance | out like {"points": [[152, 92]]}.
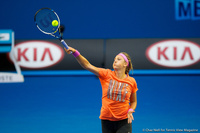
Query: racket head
{"points": [[43, 19]]}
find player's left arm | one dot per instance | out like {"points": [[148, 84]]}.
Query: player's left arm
{"points": [[133, 101], [133, 104]]}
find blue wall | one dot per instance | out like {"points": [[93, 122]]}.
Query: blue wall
{"points": [[100, 19], [72, 104]]}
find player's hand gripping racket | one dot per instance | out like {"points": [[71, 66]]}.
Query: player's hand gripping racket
{"points": [[43, 19]]}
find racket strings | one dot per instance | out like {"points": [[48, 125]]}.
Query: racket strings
{"points": [[43, 19]]}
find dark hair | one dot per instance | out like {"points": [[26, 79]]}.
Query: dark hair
{"points": [[130, 66]]}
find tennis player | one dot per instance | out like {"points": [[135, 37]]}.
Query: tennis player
{"points": [[119, 97]]}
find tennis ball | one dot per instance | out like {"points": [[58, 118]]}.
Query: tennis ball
{"points": [[54, 23]]}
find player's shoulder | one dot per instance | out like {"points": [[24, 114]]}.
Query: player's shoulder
{"points": [[132, 79], [104, 72], [133, 83]]}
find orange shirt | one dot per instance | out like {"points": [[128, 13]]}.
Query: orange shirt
{"points": [[116, 95]]}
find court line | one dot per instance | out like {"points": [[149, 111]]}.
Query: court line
{"points": [[136, 72]]}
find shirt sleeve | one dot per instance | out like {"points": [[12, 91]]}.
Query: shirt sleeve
{"points": [[103, 73], [134, 87]]}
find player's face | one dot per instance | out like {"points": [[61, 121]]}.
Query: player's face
{"points": [[119, 62]]}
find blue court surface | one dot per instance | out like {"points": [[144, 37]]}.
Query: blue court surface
{"points": [[71, 104]]}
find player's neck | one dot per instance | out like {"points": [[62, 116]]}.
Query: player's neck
{"points": [[120, 74]]}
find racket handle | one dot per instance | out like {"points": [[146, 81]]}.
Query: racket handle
{"points": [[65, 44]]}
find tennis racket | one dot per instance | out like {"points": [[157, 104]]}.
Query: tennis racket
{"points": [[43, 19]]}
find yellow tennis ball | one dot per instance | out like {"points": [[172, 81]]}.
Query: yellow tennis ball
{"points": [[54, 23]]}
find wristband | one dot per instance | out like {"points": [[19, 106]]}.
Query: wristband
{"points": [[130, 110], [75, 54]]}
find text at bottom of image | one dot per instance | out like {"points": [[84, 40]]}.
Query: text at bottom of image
{"points": [[169, 130]]}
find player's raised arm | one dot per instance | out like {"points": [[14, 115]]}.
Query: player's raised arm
{"points": [[83, 61]]}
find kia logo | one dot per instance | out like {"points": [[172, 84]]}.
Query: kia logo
{"points": [[174, 53], [38, 54]]}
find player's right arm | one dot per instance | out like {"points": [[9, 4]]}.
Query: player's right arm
{"points": [[84, 62]]}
